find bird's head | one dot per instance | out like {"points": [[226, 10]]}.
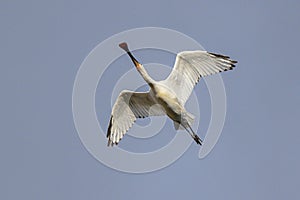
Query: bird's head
{"points": [[124, 46]]}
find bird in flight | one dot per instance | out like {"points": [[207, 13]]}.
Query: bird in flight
{"points": [[166, 97]]}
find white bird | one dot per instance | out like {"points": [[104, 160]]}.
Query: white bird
{"points": [[166, 97]]}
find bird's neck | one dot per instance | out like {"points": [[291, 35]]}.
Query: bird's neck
{"points": [[145, 75]]}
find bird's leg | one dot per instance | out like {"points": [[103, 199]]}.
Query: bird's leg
{"points": [[193, 134], [196, 137]]}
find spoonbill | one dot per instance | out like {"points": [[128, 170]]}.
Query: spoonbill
{"points": [[166, 97]]}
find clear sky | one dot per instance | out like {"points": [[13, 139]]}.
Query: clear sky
{"points": [[43, 44]]}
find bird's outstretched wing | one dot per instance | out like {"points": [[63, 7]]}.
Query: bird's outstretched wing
{"points": [[190, 66], [128, 107]]}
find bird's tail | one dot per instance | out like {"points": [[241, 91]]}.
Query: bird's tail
{"points": [[189, 129], [193, 134], [189, 118]]}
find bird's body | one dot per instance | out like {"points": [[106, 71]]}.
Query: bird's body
{"points": [[166, 97], [171, 104], [168, 100]]}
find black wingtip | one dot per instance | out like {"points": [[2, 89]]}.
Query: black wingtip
{"points": [[109, 127], [109, 143], [219, 55], [232, 62]]}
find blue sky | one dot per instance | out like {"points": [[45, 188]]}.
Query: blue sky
{"points": [[42, 47]]}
